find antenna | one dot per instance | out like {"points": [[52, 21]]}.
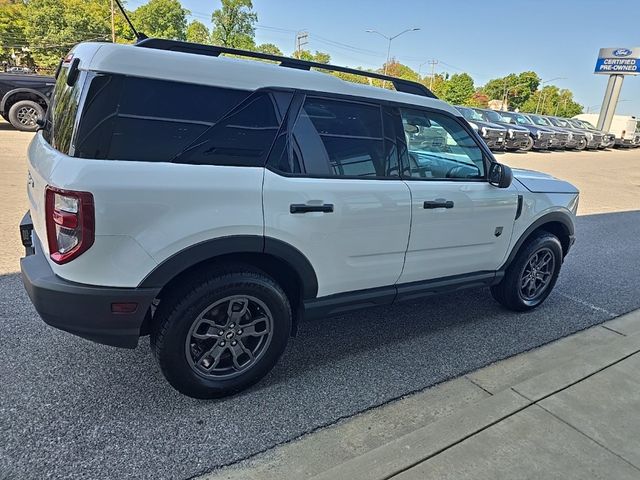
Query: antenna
{"points": [[139, 36]]}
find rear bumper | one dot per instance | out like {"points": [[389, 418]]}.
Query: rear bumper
{"points": [[84, 310]]}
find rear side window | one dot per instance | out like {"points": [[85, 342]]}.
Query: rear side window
{"points": [[344, 139], [126, 118]]}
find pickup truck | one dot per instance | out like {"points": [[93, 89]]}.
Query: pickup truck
{"points": [[24, 99]]}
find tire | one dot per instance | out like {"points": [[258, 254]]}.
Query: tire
{"points": [[24, 114], [582, 144], [215, 364], [528, 146], [514, 290]]}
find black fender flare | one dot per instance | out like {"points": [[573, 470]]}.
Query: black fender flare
{"points": [[22, 90], [553, 217], [238, 244]]}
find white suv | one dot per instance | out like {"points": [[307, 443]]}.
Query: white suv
{"points": [[215, 202]]}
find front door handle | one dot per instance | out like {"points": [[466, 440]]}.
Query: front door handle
{"points": [[438, 203], [304, 208]]}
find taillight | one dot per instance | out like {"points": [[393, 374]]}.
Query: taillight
{"points": [[70, 219]]}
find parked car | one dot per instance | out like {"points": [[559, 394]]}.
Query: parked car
{"points": [[624, 128], [292, 195], [594, 139], [543, 138], [518, 138], [568, 138], [25, 70], [608, 139], [24, 99], [494, 135]]}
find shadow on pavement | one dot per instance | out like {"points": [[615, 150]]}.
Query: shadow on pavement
{"points": [[75, 409]]}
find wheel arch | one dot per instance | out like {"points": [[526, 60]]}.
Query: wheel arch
{"points": [[283, 262], [556, 223], [22, 94]]}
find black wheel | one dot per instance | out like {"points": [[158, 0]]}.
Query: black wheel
{"points": [[532, 275], [582, 144], [24, 114], [216, 336], [528, 146]]}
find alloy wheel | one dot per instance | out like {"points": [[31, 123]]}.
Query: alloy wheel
{"points": [[27, 116], [229, 337], [537, 274]]}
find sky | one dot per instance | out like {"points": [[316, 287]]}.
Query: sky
{"points": [[487, 39]]}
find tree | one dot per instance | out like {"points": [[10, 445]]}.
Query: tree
{"points": [[162, 19], [478, 99], [13, 39], [459, 89], [516, 87], [197, 32], [437, 84], [234, 24], [319, 57], [52, 27], [552, 101], [269, 48], [396, 69]]}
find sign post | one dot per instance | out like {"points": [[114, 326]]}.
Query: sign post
{"points": [[615, 62]]}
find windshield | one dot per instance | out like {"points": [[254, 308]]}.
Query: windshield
{"points": [[470, 114], [586, 124], [519, 119], [492, 116], [558, 122], [575, 124], [543, 122]]}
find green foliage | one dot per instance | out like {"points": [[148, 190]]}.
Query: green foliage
{"points": [[197, 32], [516, 87], [269, 48], [319, 57], [396, 69], [552, 101], [234, 24], [459, 89], [12, 32], [162, 19]]}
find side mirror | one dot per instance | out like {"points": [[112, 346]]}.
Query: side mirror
{"points": [[500, 175]]}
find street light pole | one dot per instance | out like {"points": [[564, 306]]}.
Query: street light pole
{"points": [[390, 39], [542, 83]]}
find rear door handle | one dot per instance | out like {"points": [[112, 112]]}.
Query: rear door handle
{"points": [[438, 203], [304, 208]]}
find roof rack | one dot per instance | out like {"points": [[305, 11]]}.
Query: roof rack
{"points": [[400, 84]]}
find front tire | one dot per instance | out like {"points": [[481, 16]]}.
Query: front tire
{"points": [[221, 334], [532, 274], [529, 146], [24, 114]]}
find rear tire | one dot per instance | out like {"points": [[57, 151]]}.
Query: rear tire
{"points": [[220, 334], [528, 146], [24, 114], [532, 274]]}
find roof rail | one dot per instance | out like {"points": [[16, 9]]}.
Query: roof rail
{"points": [[400, 84]]}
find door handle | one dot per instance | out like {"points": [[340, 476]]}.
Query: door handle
{"points": [[438, 203], [304, 208]]}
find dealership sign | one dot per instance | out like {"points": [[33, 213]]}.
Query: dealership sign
{"points": [[619, 61]]}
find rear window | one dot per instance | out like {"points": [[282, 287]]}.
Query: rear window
{"points": [[62, 113]]}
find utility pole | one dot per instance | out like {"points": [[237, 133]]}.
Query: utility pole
{"points": [[302, 38], [433, 64], [113, 24]]}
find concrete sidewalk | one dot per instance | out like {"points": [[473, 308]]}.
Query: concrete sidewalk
{"points": [[568, 410]]}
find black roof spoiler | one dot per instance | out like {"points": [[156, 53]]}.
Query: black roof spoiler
{"points": [[400, 84]]}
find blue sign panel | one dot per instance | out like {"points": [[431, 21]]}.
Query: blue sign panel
{"points": [[618, 61]]}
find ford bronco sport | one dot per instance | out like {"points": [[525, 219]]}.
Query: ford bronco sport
{"points": [[215, 202]]}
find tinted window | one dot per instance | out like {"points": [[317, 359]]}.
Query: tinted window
{"points": [[62, 113], [127, 118], [244, 137], [439, 147], [339, 138]]}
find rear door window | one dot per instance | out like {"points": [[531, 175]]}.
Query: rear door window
{"points": [[338, 138], [62, 114]]}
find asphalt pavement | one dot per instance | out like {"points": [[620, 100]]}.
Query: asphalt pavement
{"points": [[73, 409]]}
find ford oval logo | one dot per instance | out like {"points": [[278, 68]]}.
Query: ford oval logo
{"points": [[622, 52]]}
